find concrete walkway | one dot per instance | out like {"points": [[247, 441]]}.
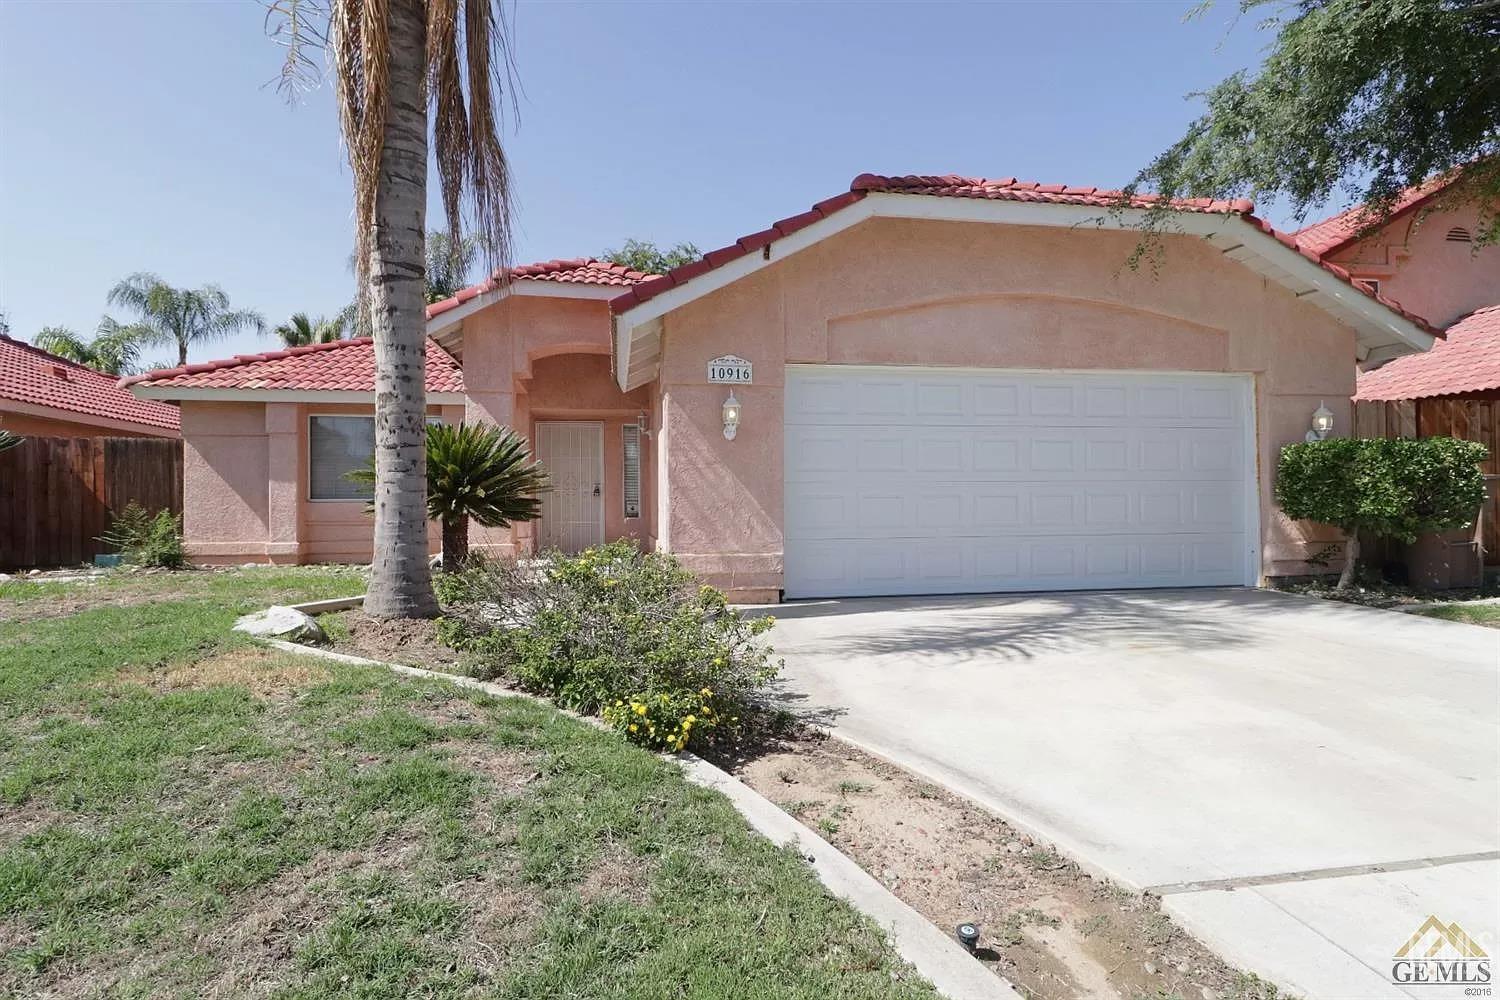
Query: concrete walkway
{"points": [[1253, 757]]}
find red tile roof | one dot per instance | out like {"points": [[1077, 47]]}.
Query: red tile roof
{"points": [[31, 375], [1338, 231], [1465, 363], [344, 365], [952, 186], [575, 271]]}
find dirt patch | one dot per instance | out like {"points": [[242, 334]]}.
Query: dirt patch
{"points": [[618, 874], [262, 672], [413, 643], [1053, 931]]}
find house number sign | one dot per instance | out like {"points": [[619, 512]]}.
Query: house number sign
{"points": [[729, 368]]}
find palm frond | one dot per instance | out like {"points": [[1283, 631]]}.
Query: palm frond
{"points": [[64, 343]]}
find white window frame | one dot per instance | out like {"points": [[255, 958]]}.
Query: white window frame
{"points": [[625, 431], [307, 465]]}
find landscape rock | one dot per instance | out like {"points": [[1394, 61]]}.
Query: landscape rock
{"points": [[282, 623], [1150, 968]]}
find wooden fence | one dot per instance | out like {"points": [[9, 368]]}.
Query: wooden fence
{"points": [[58, 495], [1469, 419]]}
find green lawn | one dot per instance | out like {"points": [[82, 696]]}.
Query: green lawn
{"points": [[185, 814], [1473, 614]]}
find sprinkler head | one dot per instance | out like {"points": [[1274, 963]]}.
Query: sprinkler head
{"points": [[968, 935]]}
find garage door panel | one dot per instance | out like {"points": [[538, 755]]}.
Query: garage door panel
{"points": [[919, 566], [830, 511], [942, 481], [987, 454], [1024, 399]]}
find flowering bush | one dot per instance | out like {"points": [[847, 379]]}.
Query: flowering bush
{"points": [[614, 632]]}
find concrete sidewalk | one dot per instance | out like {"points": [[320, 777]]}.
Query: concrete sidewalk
{"points": [[1253, 757]]}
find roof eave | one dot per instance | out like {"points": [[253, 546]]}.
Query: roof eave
{"points": [[451, 319], [146, 390]]}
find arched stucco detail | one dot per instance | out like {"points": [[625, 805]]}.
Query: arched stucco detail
{"points": [[1025, 330]]}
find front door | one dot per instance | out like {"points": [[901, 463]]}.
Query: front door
{"points": [[573, 510]]}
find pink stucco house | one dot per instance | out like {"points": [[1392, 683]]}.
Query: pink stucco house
{"points": [[921, 385]]}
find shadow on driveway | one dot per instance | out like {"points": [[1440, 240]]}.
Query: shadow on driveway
{"points": [[939, 631]]}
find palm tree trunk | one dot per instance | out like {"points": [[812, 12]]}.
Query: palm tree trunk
{"points": [[455, 543], [400, 581]]}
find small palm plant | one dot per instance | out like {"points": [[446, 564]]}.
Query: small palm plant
{"points": [[475, 472], [9, 440]]}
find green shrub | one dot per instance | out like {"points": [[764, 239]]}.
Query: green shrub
{"points": [[1385, 488], [614, 632], [146, 539]]}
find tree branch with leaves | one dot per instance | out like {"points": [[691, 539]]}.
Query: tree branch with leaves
{"points": [[1360, 98]]}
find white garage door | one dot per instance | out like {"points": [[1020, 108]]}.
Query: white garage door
{"points": [[940, 481]]}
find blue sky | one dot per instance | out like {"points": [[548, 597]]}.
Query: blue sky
{"points": [[144, 136]]}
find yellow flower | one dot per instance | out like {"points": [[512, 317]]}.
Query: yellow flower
{"points": [[718, 661], [707, 692], [618, 702], [690, 720], [634, 727], [639, 708]]}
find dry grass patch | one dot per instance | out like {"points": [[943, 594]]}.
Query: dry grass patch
{"points": [[262, 672]]}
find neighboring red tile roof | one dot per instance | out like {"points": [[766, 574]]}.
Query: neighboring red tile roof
{"points": [[576, 271], [1338, 231], [31, 375], [952, 186], [344, 365], [1466, 362]]}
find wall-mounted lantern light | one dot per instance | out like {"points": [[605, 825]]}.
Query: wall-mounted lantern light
{"points": [[731, 416], [643, 421], [1322, 423]]}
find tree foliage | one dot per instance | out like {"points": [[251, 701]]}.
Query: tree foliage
{"points": [[1382, 488], [180, 316], [114, 349], [450, 262], [1363, 98], [301, 330], [646, 257]]}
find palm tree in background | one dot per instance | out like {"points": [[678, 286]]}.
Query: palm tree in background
{"points": [[299, 331], [184, 316], [114, 349], [449, 263], [394, 64]]}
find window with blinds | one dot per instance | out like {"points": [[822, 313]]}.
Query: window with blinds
{"points": [[632, 490], [335, 446]]}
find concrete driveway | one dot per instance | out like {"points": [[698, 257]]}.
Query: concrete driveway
{"points": [[1303, 782]]}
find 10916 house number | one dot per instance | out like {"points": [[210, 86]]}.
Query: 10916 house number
{"points": [[729, 368]]}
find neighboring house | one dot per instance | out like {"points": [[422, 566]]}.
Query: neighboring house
{"points": [[1423, 256], [43, 395], [934, 385]]}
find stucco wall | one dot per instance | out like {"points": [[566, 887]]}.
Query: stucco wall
{"points": [[531, 358], [968, 294], [1419, 267], [245, 487]]}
